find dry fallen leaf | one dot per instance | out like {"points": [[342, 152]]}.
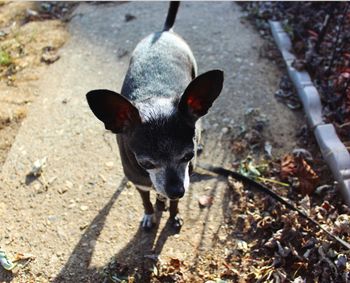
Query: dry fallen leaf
{"points": [[288, 167], [307, 177], [296, 166], [175, 263]]}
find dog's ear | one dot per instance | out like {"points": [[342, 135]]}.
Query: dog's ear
{"points": [[200, 94], [114, 110]]}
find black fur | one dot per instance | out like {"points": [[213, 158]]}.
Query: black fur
{"points": [[155, 115], [170, 19]]}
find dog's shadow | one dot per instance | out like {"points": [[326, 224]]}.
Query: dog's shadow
{"points": [[141, 253], [77, 268], [138, 256]]}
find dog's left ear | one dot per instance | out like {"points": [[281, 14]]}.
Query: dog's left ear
{"points": [[115, 111], [200, 94]]}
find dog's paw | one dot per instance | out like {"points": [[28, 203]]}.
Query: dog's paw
{"points": [[176, 222], [148, 221]]}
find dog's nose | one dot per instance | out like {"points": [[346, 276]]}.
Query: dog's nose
{"points": [[176, 194]]}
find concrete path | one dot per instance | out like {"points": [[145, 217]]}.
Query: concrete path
{"points": [[79, 214]]}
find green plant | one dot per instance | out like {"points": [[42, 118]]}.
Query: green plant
{"points": [[5, 58]]}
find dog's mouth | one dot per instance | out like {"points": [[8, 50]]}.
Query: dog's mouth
{"points": [[173, 199], [171, 196], [176, 195]]}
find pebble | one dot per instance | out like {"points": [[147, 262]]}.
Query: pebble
{"points": [[52, 218], [73, 204], [53, 259], [84, 208], [103, 178], [69, 185], [3, 208], [222, 238], [50, 57], [224, 130], [52, 179], [37, 187], [109, 164]]}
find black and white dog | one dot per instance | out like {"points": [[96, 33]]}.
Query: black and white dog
{"points": [[155, 116]]}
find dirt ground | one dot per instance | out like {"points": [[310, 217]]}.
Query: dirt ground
{"points": [[79, 218], [25, 46]]}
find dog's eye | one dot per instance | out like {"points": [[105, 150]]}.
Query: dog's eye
{"points": [[187, 157], [148, 165]]}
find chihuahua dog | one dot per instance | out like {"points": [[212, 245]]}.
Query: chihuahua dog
{"points": [[155, 116]]}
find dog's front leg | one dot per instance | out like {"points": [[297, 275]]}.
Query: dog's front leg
{"points": [[175, 219], [161, 203], [148, 219]]}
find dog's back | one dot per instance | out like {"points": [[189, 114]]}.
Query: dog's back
{"points": [[162, 64]]}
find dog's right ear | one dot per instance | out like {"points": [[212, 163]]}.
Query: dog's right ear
{"points": [[200, 95], [114, 110]]}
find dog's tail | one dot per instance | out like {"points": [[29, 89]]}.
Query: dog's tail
{"points": [[170, 19]]}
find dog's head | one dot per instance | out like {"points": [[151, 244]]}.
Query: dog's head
{"points": [[160, 131]]}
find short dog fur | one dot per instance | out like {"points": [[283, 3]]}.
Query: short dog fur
{"points": [[155, 116]]}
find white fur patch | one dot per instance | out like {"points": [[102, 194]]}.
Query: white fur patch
{"points": [[187, 178], [158, 178], [148, 220], [161, 106], [143, 188]]}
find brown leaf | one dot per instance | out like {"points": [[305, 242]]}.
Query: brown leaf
{"points": [[288, 166], [175, 263], [307, 177], [239, 146], [293, 166]]}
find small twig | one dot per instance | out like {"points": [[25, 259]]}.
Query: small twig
{"points": [[273, 181], [344, 125], [226, 173]]}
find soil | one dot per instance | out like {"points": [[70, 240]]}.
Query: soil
{"points": [[79, 217], [24, 41]]}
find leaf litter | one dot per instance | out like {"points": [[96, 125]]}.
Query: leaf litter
{"points": [[320, 40]]}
